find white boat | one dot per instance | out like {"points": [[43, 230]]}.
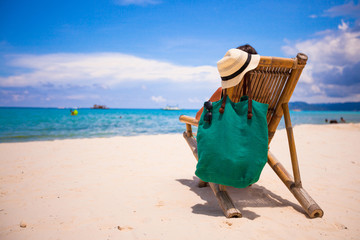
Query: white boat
{"points": [[171, 108]]}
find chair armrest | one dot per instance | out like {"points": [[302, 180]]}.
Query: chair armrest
{"points": [[189, 120]]}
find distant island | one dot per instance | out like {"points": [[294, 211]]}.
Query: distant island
{"points": [[303, 106], [99, 107]]}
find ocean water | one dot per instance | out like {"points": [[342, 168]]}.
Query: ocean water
{"points": [[33, 124]]}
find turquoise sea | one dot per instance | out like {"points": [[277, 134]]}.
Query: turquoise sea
{"points": [[33, 124]]}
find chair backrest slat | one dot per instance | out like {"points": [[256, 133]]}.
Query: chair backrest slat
{"points": [[272, 82]]}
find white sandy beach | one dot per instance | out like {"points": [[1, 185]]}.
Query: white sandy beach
{"points": [[144, 187]]}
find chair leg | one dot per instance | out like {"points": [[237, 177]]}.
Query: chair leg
{"points": [[292, 148], [308, 204], [294, 184], [222, 188], [224, 200], [202, 184]]}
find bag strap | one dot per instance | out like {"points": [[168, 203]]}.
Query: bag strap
{"points": [[222, 108], [246, 86], [247, 82]]}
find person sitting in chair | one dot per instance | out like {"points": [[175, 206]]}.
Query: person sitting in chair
{"points": [[217, 94]]}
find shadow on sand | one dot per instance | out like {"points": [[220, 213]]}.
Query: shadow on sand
{"points": [[254, 196]]}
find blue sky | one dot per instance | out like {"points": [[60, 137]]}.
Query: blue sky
{"points": [[153, 53]]}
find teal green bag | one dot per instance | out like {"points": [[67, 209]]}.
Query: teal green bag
{"points": [[232, 148]]}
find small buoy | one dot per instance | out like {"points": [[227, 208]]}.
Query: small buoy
{"points": [[74, 113], [23, 224]]}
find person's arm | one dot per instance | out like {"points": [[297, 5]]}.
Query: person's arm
{"points": [[215, 97]]}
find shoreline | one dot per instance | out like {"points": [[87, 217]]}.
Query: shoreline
{"points": [[159, 134], [144, 187]]}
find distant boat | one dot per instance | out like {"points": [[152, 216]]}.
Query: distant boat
{"points": [[99, 107], [171, 108]]}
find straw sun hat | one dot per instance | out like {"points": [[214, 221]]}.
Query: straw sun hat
{"points": [[234, 65]]}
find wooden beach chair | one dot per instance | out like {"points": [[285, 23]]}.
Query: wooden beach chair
{"points": [[272, 82]]}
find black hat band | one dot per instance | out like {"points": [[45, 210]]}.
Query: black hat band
{"points": [[238, 72]]}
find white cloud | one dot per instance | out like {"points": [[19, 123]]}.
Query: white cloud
{"points": [[82, 96], [333, 52], [101, 69], [334, 49], [158, 99], [344, 26], [137, 2], [332, 70], [17, 97], [348, 9], [194, 100]]}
